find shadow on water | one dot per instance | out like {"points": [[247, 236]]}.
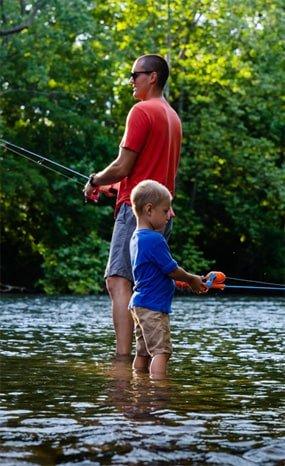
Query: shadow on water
{"points": [[65, 400]]}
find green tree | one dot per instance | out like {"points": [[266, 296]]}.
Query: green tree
{"points": [[64, 94]]}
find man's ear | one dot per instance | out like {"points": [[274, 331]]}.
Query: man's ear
{"points": [[153, 77]]}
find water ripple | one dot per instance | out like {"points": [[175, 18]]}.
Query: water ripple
{"points": [[66, 401]]}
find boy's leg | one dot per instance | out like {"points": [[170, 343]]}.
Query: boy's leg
{"points": [[142, 358], [141, 363], [155, 330], [158, 366]]}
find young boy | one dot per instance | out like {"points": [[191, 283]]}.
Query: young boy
{"points": [[154, 270]]}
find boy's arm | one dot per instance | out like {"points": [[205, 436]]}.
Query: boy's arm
{"points": [[195, 281]]}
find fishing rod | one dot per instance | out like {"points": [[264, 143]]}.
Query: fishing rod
{"points": [[254, 281], [216, 280], [56, 167], [41, 160]]}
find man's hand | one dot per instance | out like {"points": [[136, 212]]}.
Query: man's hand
{"points": [[90, 188]]}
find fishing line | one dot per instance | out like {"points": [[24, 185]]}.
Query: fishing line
{"points": [[217, 280], [255, 281], [40, 160], [240, 287], [42, 165]]}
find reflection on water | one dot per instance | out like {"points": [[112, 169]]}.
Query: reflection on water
{"points": [[65, 400]]}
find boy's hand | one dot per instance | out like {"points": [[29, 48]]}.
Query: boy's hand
{"points": [[195, 282], [197, 285]]}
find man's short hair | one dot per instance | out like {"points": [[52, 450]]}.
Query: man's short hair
{"points": [[158, 64], [148, 192]]}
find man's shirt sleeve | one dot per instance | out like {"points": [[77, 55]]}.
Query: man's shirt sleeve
{"points": [[137, 129]]}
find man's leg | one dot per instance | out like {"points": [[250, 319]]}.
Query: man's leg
{"points": [[120, 291]]}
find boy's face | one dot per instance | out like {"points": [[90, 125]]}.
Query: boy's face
{"points": [[160, 214]]}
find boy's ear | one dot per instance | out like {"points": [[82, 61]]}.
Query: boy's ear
{"points": [[148, 208]]}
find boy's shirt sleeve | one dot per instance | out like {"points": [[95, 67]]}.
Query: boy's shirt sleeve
{"points": [[160, 254]]}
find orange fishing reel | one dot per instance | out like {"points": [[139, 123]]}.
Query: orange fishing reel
{"points": [[215, 280], [212, 280]]}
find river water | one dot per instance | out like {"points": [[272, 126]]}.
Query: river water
{"points": [[65, 400]]}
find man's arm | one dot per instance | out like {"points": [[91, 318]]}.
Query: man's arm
{"points": [[116, 171]]}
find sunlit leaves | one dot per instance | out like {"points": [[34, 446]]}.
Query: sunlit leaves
{"points": [[65, 94]]}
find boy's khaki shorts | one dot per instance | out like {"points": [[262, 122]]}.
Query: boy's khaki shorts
{"points": [[152, 332]]}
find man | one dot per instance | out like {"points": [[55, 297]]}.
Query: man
{"points": [[150, 149]]}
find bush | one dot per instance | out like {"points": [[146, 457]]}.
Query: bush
{"points": [[78, 268]]}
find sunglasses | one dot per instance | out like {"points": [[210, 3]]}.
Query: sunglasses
{"points": [[135, 74]]}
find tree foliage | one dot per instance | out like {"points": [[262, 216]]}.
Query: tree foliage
{"points": [[65, 95]]}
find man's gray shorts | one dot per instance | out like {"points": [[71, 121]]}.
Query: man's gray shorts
{"points": [[119, 262]]}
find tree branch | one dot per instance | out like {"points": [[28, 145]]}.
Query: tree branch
{"points": [[22, 6], [25, 24]]}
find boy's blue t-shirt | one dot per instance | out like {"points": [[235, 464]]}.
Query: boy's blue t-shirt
{"points": [[151, 263]]}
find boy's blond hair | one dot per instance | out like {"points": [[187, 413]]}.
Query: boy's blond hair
{"points": [[148, 192]]}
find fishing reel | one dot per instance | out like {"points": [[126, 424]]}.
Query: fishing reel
{"points": [[215, 280], [109, 190], [211, 280], [93, 197]]}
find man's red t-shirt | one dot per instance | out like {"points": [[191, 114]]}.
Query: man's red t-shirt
{"points": [[153, 130]]}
